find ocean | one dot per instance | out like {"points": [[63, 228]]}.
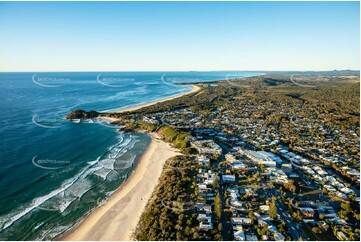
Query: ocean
{"points": [[55, 171]]}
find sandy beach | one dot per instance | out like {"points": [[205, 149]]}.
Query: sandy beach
{"points": [[117, 218], [195, 88]]}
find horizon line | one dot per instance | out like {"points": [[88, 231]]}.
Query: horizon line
{"points": [[328, 70]]}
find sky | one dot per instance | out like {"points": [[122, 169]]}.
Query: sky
{"points": [[179, 36]]}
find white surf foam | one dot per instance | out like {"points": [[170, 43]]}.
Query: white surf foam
{"points": [[77, 186]]}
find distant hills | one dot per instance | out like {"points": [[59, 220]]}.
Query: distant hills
{"points": [[324, 73]]}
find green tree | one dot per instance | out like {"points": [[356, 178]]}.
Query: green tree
{"points": [[251, 216], [215, 182], [218, 206], [273, 208]]}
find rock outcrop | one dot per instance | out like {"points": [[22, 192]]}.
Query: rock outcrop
{"points": [[81, 114]]}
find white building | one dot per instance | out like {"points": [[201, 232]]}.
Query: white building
{"points": [[262, 158], [279, 237], [203, 160], [237, 165], [239, 235], [205, 225], [229, 178], [241, 221]]}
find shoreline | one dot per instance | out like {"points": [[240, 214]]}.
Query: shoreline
{"points": [[194, 89], [117, 218]]}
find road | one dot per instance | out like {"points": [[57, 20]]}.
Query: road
{"points": [[293, 228], [225, 229]]}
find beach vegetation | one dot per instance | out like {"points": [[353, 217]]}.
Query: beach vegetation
{"points": [[170, 214]]}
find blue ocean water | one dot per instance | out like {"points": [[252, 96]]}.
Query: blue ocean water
{"points": [[53, 171]]}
